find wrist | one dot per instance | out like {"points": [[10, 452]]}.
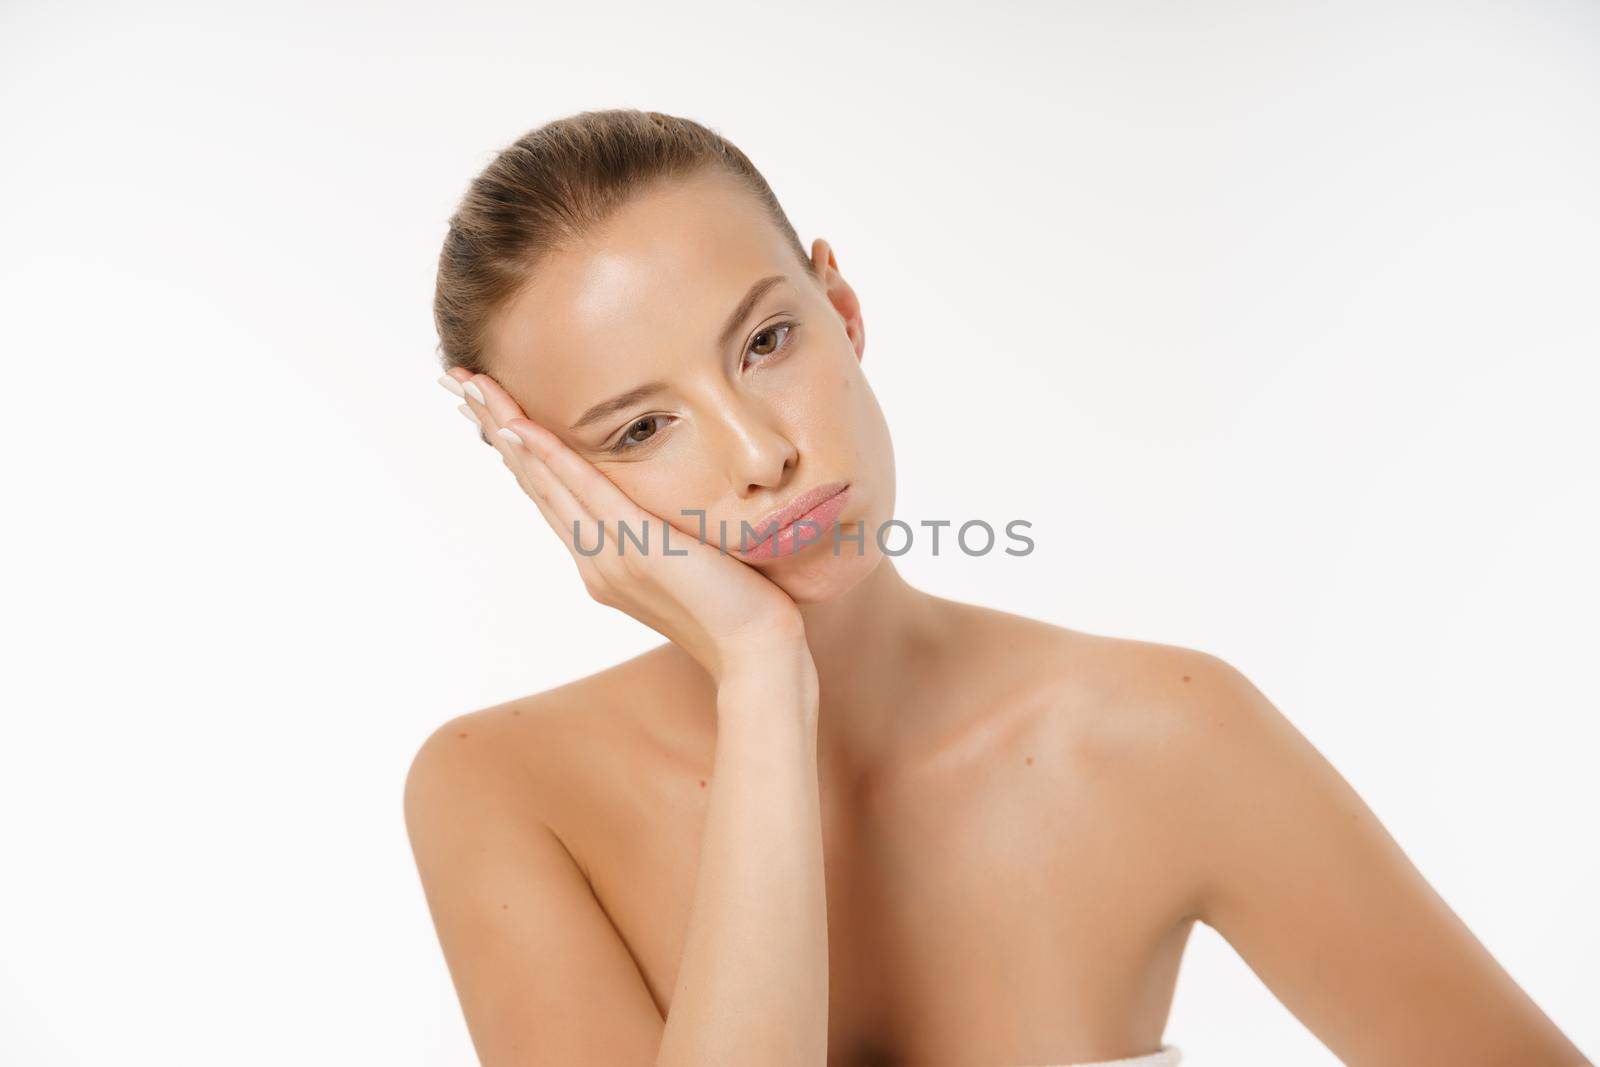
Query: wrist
{"points": [[777, 653], [773, 678]]}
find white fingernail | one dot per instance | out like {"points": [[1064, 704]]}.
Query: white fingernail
{"points": [[451, 384], [468, 413], [509, 434], [473, 391]]}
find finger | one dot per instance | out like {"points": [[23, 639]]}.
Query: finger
{"points": [[562, 530], [596, 493], [577, 474], [483, 396], [499, 402], [454, 381], [573, 505], [470, 417], [565, 512], [545, 485], [474, 398], [451, 384]]}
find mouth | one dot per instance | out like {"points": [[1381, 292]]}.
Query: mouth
{"points": [[779, 532]]}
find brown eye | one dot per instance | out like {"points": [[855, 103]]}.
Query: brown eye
{"points": [[641, 430], [637, 434], [773, 339], [760, 349]]}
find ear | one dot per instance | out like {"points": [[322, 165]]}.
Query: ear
{"points": [[825, 267]]}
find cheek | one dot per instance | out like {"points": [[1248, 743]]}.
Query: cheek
{"points": [[863, 429], [824, 403], [853, 412], [669, 484]]}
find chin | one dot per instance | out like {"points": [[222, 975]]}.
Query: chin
{"points": [[817, 574]]}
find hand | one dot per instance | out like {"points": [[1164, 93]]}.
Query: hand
{"points": [[720, 610]]}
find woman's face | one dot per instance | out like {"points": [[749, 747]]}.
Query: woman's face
{"points": [[642, 350]]}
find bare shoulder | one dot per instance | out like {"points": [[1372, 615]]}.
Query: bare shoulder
{"points": [[534, 959], [477, 755], [1115, 682], [1168, 718], [528, 754], [1136, 712], [1175, 741], [1134, 731], [1160, 717], [1274, 849]]}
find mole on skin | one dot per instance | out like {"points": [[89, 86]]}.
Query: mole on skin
{"points": [[1029, 761], [461, 735], [702, 783], [1186, 677]]}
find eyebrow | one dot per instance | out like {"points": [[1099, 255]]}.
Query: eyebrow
{"points": [[731, 327]]}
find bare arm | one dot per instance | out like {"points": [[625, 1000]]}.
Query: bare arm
{"points": [[1299, 876], [541, 975], [752, 983], [556, 985]]}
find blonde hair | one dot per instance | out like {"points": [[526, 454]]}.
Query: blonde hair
{"points": [[549, 188]]}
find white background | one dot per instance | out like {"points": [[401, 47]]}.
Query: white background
{"points": [[1277, 321]]}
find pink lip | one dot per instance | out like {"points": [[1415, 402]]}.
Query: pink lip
{"points": [[776, 534]]}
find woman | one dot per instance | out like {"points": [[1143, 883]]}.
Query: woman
{"points": [[833, 818]]}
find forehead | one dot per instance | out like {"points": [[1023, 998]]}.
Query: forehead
{"points": [[642, 296]]}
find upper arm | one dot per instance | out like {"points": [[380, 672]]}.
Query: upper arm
{"points": [[542, 976], [1297, 874]]}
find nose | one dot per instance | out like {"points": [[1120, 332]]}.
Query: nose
{"points": [[759, 452]]}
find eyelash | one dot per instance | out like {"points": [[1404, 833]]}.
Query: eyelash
{"points": [[622, 446]]}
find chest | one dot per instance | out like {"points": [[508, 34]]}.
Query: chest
{"points": [[987, 919]]}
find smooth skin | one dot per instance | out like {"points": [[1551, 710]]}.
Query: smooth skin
{"points": [[833, 819]]}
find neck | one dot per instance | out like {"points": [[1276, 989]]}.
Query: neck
{"points": [[868, 645]]}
